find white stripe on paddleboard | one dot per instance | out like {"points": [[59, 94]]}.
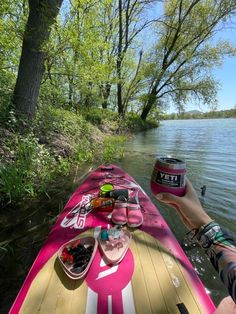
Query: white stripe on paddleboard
{"points": [[102, 263], [128, 300], [109, 304], [107, 272], [92, 302]]}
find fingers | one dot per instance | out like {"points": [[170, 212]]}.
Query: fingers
{"points": [[177, 203], [188, 206], [190, 189], [169, 198]]}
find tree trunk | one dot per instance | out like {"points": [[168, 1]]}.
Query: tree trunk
{"points": [[119, 99], [105, 90], [119, 62], [150, 102], [70, 96], [42, 14], [70, 91]]}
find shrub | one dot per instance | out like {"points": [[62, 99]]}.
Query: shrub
{"points": [[84, 152], [134, 123], [98, 116], [29, 170], [112, 148], [50, 119]]}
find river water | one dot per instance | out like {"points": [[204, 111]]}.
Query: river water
{"points": [[209, 149]]}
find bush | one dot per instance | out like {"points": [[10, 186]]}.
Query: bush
{"points": [[134, 123], [112, 149], [58, 120], [29, 170], [6, 112], [98, 116], [56, 140], [83, 152]]}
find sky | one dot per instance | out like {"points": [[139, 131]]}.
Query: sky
{"points": [[227, 91], [226, 75]]}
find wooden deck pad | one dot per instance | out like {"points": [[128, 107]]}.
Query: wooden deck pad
{"points": [[158, 285]]}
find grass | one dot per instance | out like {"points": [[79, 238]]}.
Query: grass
{"points": [[56, 141]]}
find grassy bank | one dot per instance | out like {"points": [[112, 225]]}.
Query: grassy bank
{"points": [[56, 141]]}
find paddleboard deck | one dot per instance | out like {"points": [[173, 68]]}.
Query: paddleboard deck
{"points": [[155, 276]]}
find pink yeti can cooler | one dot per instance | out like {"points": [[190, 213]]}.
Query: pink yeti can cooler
{"points": [[169, 176]]}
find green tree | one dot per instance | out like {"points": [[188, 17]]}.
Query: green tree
{"points": [[185, 52], [79, 60], [131, 23], [88, 63]]}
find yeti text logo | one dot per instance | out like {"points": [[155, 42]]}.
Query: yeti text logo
{"points": [[168, 177]]}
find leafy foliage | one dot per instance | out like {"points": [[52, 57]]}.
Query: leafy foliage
{"points": [[12, 21], [29, 170], [97, 116], [58, 120], [111, 148], [57, 140]]}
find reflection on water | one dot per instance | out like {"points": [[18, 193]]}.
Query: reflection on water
{"points": [[209, 149]]}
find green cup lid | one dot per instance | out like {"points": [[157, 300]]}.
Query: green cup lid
{"points": [[106, 187]]}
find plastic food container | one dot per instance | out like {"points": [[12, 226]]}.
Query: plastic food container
{"points": [[76, 256]]}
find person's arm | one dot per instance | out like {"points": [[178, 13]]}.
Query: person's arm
{"points": [[220, 248]]}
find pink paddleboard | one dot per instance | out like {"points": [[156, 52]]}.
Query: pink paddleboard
{"points": [[154, 275]]}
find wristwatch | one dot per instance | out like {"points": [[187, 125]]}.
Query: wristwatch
{"points": [[207, 234]]}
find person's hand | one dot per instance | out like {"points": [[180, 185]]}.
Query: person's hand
{"points": [[188, 206], [226, 305]]}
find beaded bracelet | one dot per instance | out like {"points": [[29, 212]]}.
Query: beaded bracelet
{"points": [[203, 236]]}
